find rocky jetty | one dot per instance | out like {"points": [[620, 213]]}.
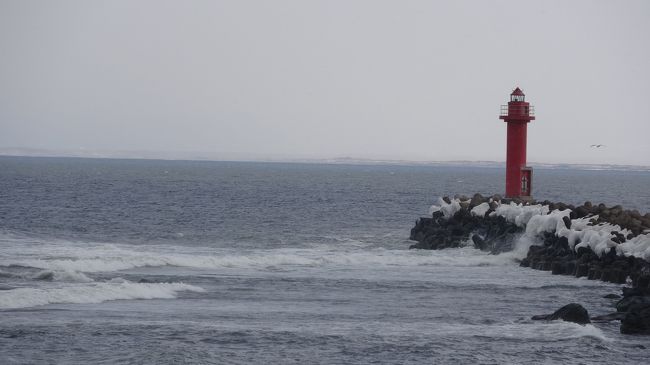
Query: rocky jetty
{"points": [[556, 256], [593, 241], [485, 232]]}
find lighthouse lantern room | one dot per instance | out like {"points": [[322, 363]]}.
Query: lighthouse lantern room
{"points": [[517, 114]]}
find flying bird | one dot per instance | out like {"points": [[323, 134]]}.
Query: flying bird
{"points": [[598, 145]]}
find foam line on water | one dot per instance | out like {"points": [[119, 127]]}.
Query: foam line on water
{"points": [[64, 262], [522, 331], [91, 293], [68, 261], [555, 330], [63, 275]]}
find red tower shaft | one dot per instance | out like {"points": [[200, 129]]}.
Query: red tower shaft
{"points": [[515, 157], [518, 113]]}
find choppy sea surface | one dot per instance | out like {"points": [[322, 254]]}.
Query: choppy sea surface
{"points": [[178, 262]]}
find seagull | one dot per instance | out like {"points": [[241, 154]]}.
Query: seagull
{"points": [[598, 145]]}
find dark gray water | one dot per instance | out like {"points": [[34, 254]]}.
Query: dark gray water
{"points": [[166, 262]]}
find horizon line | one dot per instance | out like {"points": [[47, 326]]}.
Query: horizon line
{"points": [[346, 160]]}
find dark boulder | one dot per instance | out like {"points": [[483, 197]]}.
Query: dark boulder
{"points": [[581, 212], [477, 199], [626, 303], [573, 312], [595, 273], [558, 267], [479, 242], [637, 320], [636, 292], [643, 281]]}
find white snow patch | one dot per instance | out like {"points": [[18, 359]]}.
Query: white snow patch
{"points": [[519, 214], [448, 210], [638, 246], [537, 219], [480, 209]]}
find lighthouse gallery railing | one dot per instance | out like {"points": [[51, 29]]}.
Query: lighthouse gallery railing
{"points": [[517, 110]]}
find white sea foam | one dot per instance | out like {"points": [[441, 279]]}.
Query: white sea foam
{"points": [[261, 259], [70, 261], [65, 275], [559, 330], [460, 257], [524, 330], [91, 293], [434, 208]]}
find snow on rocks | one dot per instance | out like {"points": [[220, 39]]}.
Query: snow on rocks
{"points": [[538, 218], [610, 234]]}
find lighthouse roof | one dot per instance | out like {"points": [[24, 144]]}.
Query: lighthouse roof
{"points": [[517, 91]]}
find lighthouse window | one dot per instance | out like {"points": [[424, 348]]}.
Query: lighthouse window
{"points": [[517, 98]]}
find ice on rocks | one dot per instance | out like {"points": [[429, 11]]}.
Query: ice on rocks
{"points": [[538, 219], [448, 210], [480, 209]]}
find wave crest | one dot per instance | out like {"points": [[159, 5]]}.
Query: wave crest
{"points": [[91, 260], [91, 293]]}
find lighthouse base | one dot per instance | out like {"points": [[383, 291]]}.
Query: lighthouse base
{"points": [[519, 182], [523, 198]]}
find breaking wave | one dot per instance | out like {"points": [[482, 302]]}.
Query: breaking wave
{"points": [[69, 265], [91, 293], [64, 275]]}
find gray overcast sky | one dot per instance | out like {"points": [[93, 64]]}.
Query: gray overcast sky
{"points": [[419, 80]]}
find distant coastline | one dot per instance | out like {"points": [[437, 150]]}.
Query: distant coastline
{"points": [[231, 157]]}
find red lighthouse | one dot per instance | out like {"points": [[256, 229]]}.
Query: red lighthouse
{"points": [[519, 177]]}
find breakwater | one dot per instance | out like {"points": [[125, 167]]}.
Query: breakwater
{"points": [[598, 242]]}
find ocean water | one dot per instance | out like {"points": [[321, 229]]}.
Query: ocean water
{"points": [[177, 262]]}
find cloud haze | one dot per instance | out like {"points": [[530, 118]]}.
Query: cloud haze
{"points": [[418, 80]]}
